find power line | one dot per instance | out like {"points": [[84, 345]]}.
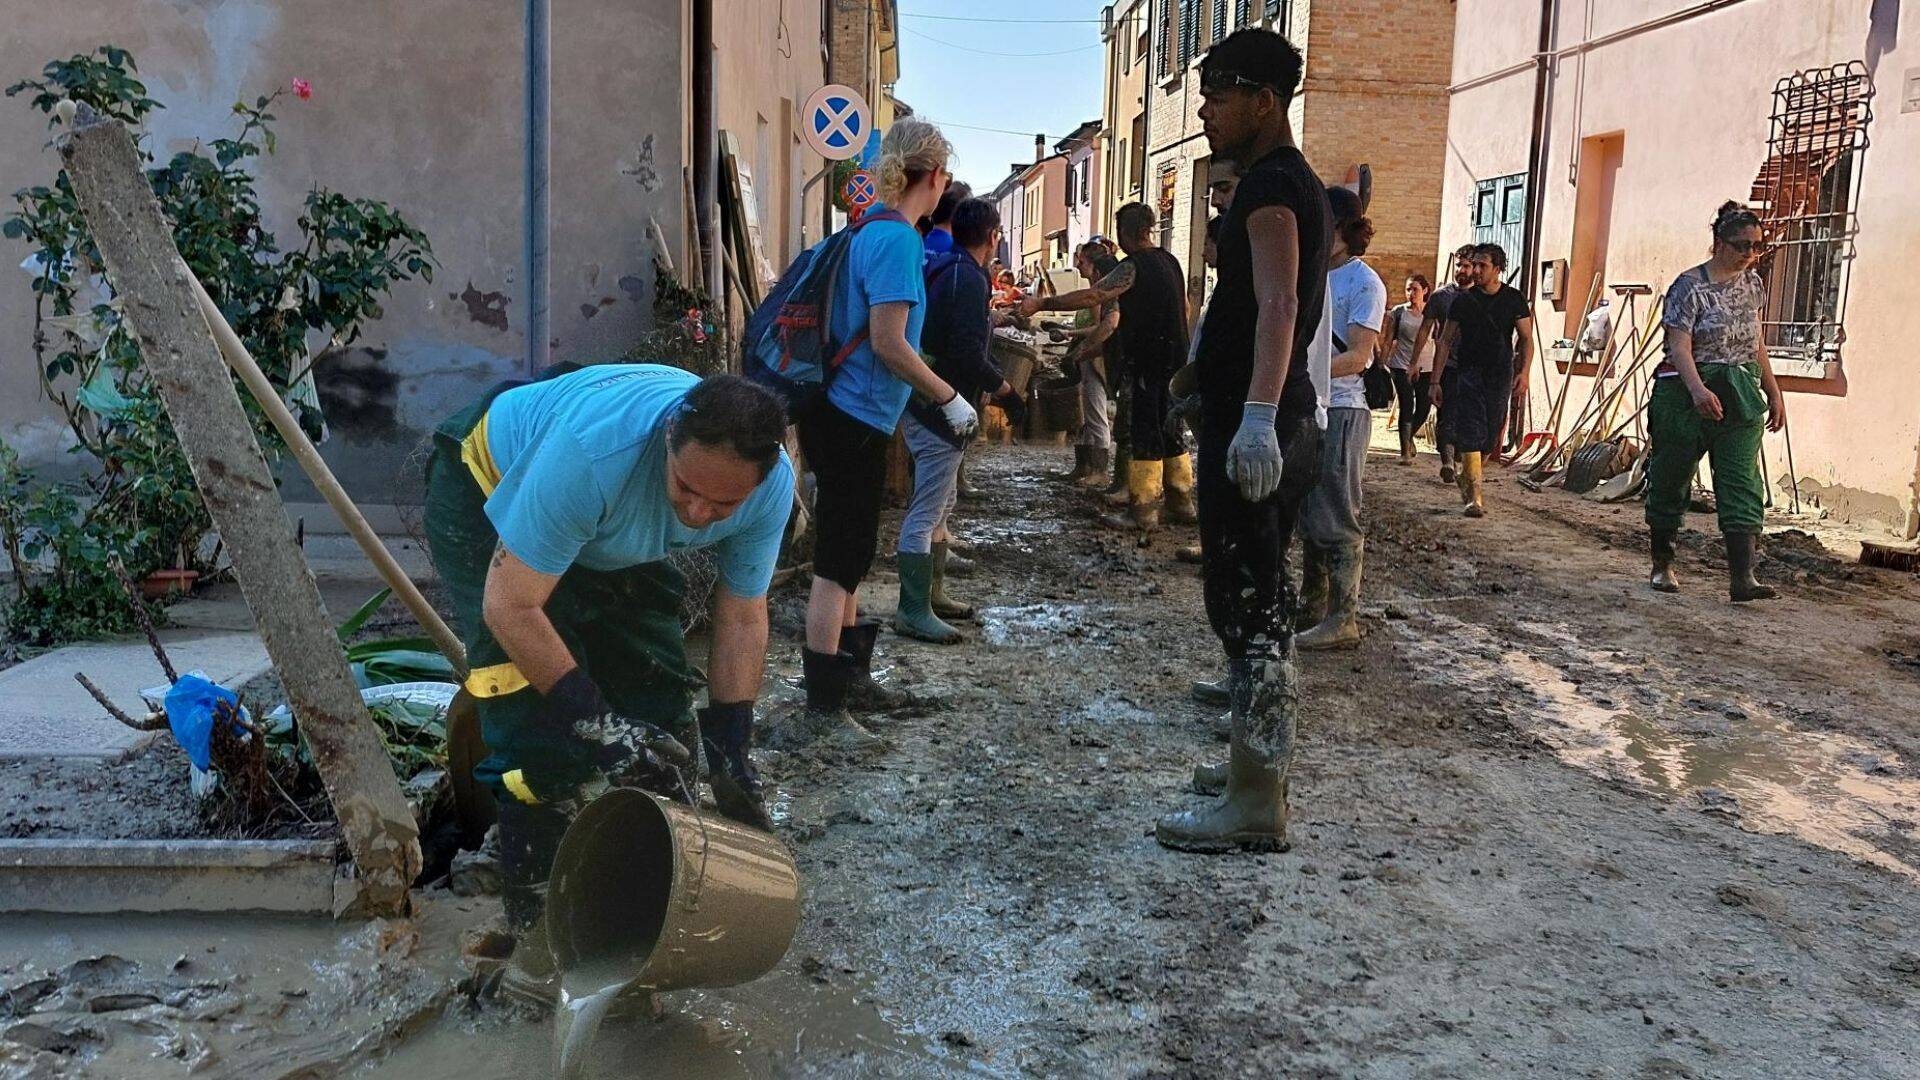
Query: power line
{"points": [[976, 127], [991, 52], [977, 19]]}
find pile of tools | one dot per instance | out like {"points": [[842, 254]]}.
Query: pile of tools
{"points": [[1602, 456]]}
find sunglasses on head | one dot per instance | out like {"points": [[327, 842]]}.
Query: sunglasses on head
{"points": [[1227, 80]]}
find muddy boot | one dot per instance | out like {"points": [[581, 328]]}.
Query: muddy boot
{"points": [[1116, 490], [864, 694], [1741, 584], [1099, 467], [1408, 452], [1191, 554], [943, 605], [1472, 472], [963, 487], [1312, 606], [1143, 499], [914, 617], [1214, 695], [726, 736], [1081, 454], [529, 838], [1448, 474], [956, 565], [1662, 578], [1181, 508], [1341, 628], [825, 718], [1209, 779], [1251, 813]]}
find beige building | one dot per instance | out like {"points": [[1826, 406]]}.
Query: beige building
{"points": [[1124, 100], [1374, 94], [1043, 227], [1657, 111], [420, 104]]}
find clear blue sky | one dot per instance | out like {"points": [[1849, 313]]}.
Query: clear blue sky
{"points": [[1001, 83]]}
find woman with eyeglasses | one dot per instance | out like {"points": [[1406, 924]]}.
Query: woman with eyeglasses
{"points": [[1714, 396]]}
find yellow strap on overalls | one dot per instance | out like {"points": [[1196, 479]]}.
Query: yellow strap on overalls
{"points": [[478, 458]]}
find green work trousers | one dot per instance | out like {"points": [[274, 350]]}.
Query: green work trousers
{"points": [[1681, 437], [623, 627]]}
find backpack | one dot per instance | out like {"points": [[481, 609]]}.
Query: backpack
{"points": [[788, 345]]}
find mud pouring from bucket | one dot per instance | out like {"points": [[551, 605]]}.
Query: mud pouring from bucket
{"points": [[649, 895]]}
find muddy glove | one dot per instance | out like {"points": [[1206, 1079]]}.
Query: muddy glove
{"points": [[726, 734], [618, 750], [1253, 461], [960, 416]]}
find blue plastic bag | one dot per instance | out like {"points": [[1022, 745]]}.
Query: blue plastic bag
{"points": [[191, 705]]}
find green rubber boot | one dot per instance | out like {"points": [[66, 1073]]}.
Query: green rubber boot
{"points": [[914, 616]]}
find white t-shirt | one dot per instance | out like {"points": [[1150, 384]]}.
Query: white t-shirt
{"points": [[1357, 299]]}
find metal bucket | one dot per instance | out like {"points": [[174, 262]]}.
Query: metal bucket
{"points": [[651, 894]]}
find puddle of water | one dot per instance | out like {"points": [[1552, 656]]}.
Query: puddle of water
{"points": [[778, 1025], [1011, 534], [1830, 790], [1028, 624]]}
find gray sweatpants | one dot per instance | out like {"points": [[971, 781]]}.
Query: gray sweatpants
{"points": [[936, 483], [1096, 428], [1331, 517]]}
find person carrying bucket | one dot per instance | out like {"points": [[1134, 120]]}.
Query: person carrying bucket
{"points": [[551, 510]]}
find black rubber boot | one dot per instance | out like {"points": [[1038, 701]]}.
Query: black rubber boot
{"points": [[863, 694], [1662, 578], [529, 838], [1741, 584], [1080, 466], [825, 719], [726, 736], [1099, 462]]}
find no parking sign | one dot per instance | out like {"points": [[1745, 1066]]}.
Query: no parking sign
{"points": [[859, 192], [836, 122]]}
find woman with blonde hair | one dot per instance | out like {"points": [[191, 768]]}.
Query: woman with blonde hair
{"points": [[876, 311]]}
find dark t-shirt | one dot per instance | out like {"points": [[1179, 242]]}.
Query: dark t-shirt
{"points": [[1153, 315], [1282, 178], [1441, 302], [1486, 329]]}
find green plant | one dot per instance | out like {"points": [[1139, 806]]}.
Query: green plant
{"points": [[386, 661], [138, 498]]}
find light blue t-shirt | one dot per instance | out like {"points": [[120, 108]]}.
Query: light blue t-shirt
{"points": [[885, 265], [583, 479]]}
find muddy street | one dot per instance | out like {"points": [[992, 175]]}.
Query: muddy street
{"points": [[1545, 822]]}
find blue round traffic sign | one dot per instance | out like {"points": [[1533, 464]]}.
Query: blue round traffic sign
{"points": [[836, 122]]}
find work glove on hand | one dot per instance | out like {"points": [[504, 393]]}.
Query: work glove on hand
{"points": [[1253, 460], [619, 750], [726, 734], [960, 415], [1180, 416]]}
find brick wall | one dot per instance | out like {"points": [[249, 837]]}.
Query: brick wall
{"points": [[850, 43]]}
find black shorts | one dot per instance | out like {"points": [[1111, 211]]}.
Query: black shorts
{"points": [[848, 460]]}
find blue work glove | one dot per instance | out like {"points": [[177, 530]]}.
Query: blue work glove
{"points": [[1253, 461]]}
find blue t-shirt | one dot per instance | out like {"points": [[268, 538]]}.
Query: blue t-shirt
{"points": [[583, 479], [885, 265], [939, 242]]}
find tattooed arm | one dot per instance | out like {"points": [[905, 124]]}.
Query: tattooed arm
{"points": [[514, 608], [1105, 291]]}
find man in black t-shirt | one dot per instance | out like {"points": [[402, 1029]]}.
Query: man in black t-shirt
{"points": [[1489, 336], [1152, 296], [1434, 320], [1259, 442]]}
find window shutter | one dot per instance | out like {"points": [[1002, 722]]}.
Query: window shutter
{"points": [[1219, 19], [1242, 12], [1164, 44]]}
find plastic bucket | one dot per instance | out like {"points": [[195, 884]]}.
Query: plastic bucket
{"points": [[651, 894], [1060, 407]]}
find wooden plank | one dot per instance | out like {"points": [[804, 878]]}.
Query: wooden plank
{"points": [[740, 186], [152, 283]]}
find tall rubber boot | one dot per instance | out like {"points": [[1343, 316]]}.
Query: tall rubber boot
{"points": [[1143, 499], [1099, 464], [1662, 578], [825, 719], [1251, 814], [529, 839], [1314, 587], [1448, 474], [1213, 694], [1472, 472], [1341, 628], [1408, 451], [1181, 507], [863, 694], [914, 617], [1742, 586], [963, 487], [1079, 470], [1116, 493], [943, 605]]}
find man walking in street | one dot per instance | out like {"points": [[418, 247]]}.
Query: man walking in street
{"points": [[1489, 336], [1333, 544], [1259, 442], [1152, 296], [1094, 357], [1432, 323], [551, 510]]}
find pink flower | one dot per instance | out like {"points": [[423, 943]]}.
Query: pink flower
{"points": [[302, 89]]}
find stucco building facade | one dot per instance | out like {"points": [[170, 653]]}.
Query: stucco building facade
{"points": [[1656, 111], [420, 104]]}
